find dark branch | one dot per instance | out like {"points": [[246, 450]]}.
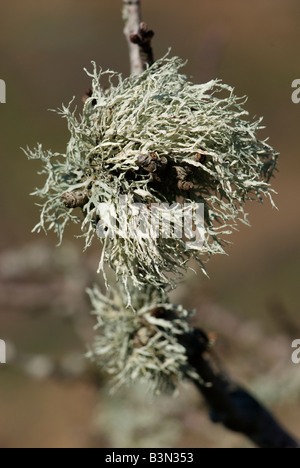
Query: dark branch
{"points": [[229, 403]]}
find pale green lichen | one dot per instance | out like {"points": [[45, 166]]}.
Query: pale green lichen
{"points": [[154, 139], [143, 346], [158, 112]]}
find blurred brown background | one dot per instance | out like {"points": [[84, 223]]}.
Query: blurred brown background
{"points": [[47, 395]]}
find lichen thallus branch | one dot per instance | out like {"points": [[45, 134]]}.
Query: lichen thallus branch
{"points": [[157, 138]]}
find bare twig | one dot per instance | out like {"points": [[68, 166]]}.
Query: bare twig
{"points": [[132, 18], [138, 37], [230, 404]]}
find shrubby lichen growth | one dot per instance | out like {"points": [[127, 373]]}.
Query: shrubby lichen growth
{"points": [[144, 346], [156, 138]]}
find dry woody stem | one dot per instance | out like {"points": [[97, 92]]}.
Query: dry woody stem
{"points": [[138, 37]]}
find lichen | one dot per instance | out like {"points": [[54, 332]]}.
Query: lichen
{"points": [[144, 346], [210, 152], [156, 140]]}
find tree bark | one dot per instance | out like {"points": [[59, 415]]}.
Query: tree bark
{"points": [[132, 17]]}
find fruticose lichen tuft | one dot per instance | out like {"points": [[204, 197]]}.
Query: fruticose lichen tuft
{"points": [[156, 138], [144, 346], [169, 145]]}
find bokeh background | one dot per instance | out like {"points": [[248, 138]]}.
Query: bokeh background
{"points": [[49, 395]]}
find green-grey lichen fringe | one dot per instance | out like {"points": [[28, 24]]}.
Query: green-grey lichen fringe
{"points": [[155, 138], [201, 129], [146, 346]]}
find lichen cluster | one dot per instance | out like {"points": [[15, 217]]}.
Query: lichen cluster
{"points": [[147, 346], [202, 147], [154, 139]]}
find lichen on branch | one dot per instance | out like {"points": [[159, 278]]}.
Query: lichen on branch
{"points": [[144, 346], [156, 138]]}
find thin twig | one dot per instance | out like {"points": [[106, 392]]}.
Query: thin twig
{"points": [[132, 18], [138, 37]]}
